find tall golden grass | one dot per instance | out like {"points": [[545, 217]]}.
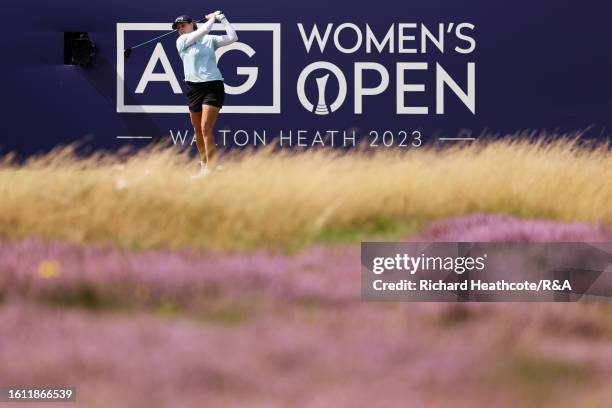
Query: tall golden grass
{"points": [[290, 198]]}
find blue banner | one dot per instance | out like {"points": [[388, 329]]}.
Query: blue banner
{"points": [[395, 74]]}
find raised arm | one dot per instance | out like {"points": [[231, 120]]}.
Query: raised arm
{"points": [[230, 37], [204, 29]]}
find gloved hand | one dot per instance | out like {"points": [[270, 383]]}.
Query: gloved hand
{"points": [[220, 17], [214, 14]]}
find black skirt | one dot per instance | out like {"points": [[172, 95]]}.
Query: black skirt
{"points": [[205, 93]]}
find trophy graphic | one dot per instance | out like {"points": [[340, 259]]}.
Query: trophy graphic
{"points": [[321, 108]]}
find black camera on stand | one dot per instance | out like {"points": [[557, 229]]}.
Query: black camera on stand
{"points": [[79, 49]]}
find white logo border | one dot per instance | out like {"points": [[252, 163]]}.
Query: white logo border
{"points": [[276, 70]]}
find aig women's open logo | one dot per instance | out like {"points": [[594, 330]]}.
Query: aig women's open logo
{"points": [[251, 68], [150, 81], [384, 49]]}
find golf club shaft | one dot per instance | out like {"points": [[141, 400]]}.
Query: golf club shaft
{"points": [[160, 36]]}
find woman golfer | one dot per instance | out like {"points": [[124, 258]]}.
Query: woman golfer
{"points": [[205, 89]]}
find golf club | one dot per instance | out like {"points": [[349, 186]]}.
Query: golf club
{"points": [[128, 51]]}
